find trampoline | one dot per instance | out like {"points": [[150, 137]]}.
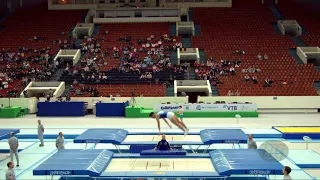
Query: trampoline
{"points": [[5, 133], [141, 142], [103, 164]]}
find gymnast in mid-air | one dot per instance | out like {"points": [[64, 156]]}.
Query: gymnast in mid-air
{"points": [[172, 117]]}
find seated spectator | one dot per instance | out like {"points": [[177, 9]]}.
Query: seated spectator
{"points": [[223, 72], [259, 57], [156, 80], [50, 92], [236, 52], [78, 92], [60, 99], [25, 94], [209, 63], [143, 76], [230, 93], [48, 98], [265, 57], [86, 69], [68, 98], [255, 80], [251, 70], [232, 71], [118, 95], [95, 93], [149, 75], [104, 77], [90, 89], [267, 82], [75, 82], [211, 59], [247, 77], [237, 93]]}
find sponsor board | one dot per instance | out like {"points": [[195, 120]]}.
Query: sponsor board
{"points": [[206, 107]]}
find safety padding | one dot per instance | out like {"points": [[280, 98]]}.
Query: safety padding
{"points": [[245, 161], [219, 136], [5, 133], [75, 162], [165, 153], [138, 148], [113, 136]]}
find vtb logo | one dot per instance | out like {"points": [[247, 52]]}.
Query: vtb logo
{"points": [[232, 108]]}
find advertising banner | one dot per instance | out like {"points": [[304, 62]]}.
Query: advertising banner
{"points": [[206, 107]]}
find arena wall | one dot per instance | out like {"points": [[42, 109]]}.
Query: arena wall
{"points": [[265, 103]]}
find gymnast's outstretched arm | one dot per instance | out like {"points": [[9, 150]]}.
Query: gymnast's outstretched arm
{"points": [[165, 120]]}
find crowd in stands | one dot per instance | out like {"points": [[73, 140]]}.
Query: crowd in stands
{"points": [[212, 70], [143, 58], [20, 67]]}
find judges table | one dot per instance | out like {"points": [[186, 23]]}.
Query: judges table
{"points": [[61, 109], [10, 112]]}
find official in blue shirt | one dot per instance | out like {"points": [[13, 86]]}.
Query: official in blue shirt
{"points": [[163, 145]]}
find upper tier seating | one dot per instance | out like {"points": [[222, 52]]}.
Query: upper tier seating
{"points": [[124, 90], [24, 23], [19, 29], [307, 15], [109, 41], [137, 31], [224, 30]]}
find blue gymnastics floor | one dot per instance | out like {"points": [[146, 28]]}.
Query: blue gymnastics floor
{"points": [[32, 155]]}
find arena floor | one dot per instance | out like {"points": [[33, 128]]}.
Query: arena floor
{"points": [[33, 155]]}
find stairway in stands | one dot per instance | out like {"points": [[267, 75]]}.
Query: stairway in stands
{"points": [[96, 30], [174, 57], [214, 90], [275, 27], [316, 84], [190, 75], [190, 15], [170, 90], [293, 52], [172, 30], [298, 41], [197, 31], [277, 13], [202, 56], [186, 42], [5, 15]]}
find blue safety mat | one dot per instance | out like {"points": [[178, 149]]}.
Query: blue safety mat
{"points": [[137, 155], [75, 162], [160, 174], [219, 136], [245, 161], [113, 136], [164, 153], [5, 133]]}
